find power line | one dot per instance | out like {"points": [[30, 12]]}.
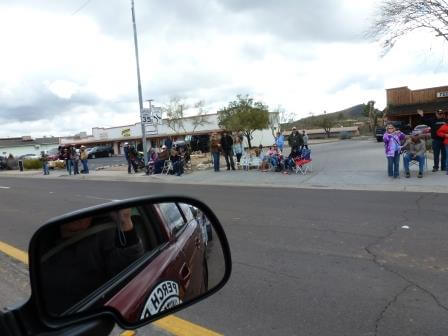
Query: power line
{"points": [[80, 8]]}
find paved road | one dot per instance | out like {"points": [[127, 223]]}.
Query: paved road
{"points": [[306, 262]]}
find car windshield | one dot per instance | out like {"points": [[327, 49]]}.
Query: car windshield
{"points": [[315, 130]]}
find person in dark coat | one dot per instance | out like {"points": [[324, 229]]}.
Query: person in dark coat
{"points": [[227, 150], [437, 142], [295, 140]]}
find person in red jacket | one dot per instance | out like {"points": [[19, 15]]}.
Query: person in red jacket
{"points": [[443, 133]]}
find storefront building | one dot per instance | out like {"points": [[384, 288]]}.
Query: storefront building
{"points": [[156, 136], [27, 145], [403, 103]]}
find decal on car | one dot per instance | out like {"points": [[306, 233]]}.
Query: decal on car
{"points": [[164, 296]]}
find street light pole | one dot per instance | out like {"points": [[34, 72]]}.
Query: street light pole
{"points": [[140, 98]]}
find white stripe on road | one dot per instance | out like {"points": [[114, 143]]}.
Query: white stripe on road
{"points": [[5, 187], [100, 198]]}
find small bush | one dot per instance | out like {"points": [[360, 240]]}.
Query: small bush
{"points": [[32, 164]]}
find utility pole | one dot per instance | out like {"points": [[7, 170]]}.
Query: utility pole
{"points": [[140, 98]]}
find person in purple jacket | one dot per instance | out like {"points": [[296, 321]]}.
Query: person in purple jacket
{"points": [[393, 141]]}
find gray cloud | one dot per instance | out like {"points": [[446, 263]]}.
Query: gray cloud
{"points": [[43, 104], [363, 80], [323, 20]]}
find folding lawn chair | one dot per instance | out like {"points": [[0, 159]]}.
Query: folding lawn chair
{"points": [[415, 163], [304, 163], [167, 167]]}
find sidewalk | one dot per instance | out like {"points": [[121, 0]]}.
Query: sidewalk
{"points": [[347, 180], [342, 165]]}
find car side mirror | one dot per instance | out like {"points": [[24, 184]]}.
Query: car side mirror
{"points": [[135, 260]]}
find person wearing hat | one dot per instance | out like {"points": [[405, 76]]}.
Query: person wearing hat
{"points": [[295, 140], [415, 151], [438, 147], [84, 156]]}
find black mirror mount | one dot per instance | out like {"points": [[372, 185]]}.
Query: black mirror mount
{"points": [[55, 247], [14, 322]]}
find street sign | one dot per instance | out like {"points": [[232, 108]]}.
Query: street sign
{"points": [[146, 117], [157, 115], [151, 130], [152, 116]]}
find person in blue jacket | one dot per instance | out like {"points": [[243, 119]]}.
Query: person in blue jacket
{"points": [[280, 141]]}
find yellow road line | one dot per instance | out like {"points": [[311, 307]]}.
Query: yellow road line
{"points": [[180, 327], [128, 333], [172, 324], [14, 252]]}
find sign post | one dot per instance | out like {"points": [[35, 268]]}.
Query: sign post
{"points": [[140, 99]]}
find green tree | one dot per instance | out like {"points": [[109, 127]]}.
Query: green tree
{"points": [[326, 122], [244, 115]]}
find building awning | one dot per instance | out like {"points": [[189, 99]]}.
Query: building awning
{"points": [[91, 141], [407, 110]]}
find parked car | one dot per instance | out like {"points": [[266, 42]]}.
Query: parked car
{"points": [[53, 154], [399, 125], [204, 223], [422, 130], [345, 135], [3, 162], [100, 151], [29, 157], [199, 142]]}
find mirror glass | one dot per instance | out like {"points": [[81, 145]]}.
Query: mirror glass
{"points": [[139, 261]]}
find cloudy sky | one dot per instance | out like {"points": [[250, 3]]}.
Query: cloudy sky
{"points": [[68, 65]]}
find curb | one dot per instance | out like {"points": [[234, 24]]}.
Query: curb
{"points": [[138, 178]]}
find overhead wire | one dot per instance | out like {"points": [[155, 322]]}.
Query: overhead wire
{"points": [[81, 8]]}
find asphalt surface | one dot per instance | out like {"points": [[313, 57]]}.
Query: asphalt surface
{"points": [[305, 262]]}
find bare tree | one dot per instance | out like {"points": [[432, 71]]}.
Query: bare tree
{"points": [[278, 117], [174, 114], [397, 18], [200, 118]]}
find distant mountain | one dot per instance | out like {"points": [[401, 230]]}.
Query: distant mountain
{"points": [[355, 113]]}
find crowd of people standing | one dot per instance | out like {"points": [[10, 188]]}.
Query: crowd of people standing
{"points": [[231, 146], [72, 155], [413, 147]]}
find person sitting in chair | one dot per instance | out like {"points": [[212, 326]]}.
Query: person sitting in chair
{"points": [[162, 157], [176, 159], [415, 151]]}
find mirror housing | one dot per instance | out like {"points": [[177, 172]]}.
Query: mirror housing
{"points": [[124, 281]]}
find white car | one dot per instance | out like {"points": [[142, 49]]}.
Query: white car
{"points": [[29, 157]]}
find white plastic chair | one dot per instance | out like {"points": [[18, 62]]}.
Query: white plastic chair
{"points": [[167, 167], [245, 162]]}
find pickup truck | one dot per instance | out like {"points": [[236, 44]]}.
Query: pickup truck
{"points": [[400, 125]]}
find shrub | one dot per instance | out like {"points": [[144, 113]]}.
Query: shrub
{"points": [[32, 164]]}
